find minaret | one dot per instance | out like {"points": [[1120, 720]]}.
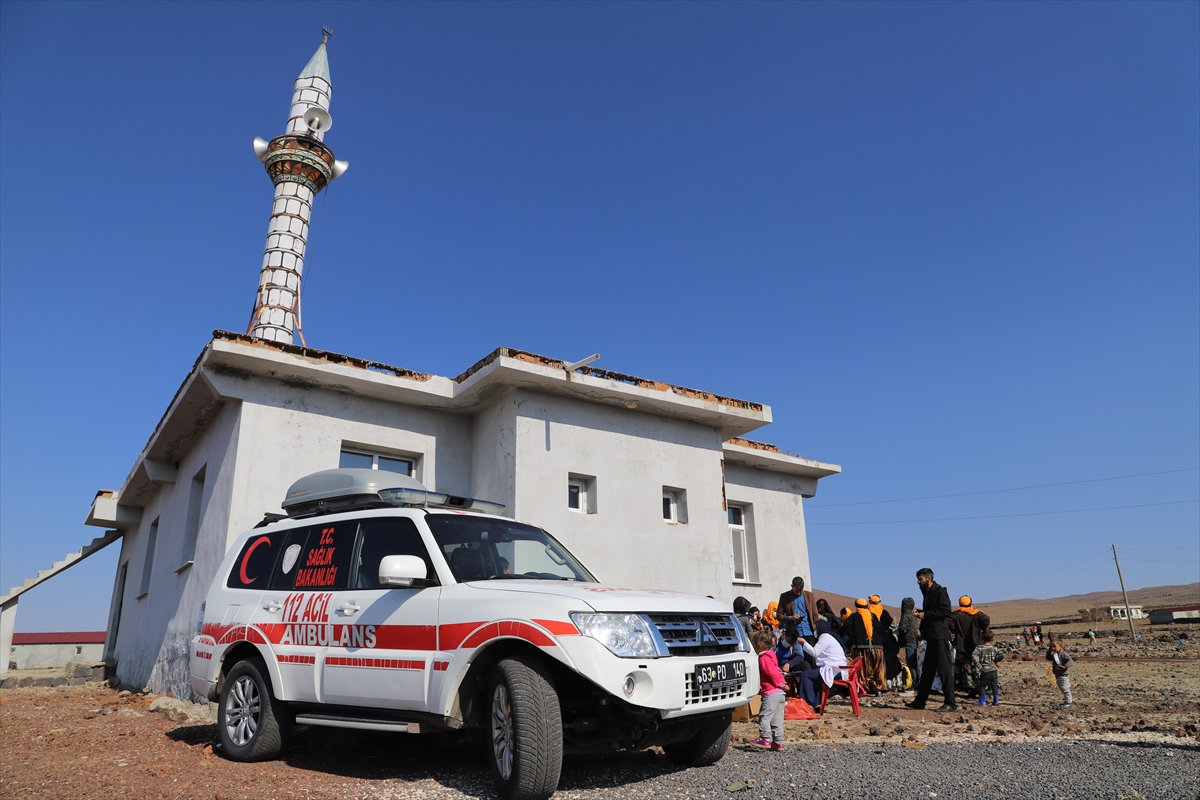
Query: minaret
{"points": [[300, 166]]}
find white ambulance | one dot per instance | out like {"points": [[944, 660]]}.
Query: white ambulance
{"points": [[378, 604]]}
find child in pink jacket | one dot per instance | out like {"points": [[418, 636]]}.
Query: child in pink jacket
{"points": [[770, 720]]}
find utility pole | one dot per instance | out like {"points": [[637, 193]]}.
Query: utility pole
{"points": [[1128, 613]]}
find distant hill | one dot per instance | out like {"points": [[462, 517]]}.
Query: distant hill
{"points": [[1028, 609]]}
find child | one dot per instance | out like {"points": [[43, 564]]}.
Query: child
{"points": [[986, 657], [1061, 663], [770, 720]]}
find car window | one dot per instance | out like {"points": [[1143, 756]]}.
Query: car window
{"points": [[389, 536], [252, 569], [487, 548], [316, 557]]}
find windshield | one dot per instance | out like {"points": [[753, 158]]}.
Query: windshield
{"points": [[486, 548]]}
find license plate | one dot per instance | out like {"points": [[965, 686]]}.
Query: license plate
{"points": [[720, 676]]}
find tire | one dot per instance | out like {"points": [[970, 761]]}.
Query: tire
{"points": [[707, 747], [251, 724], [524, 726]]}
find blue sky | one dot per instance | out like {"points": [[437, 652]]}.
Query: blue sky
{"points": [[956, 247]]}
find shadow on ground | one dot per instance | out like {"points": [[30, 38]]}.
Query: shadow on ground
{"points": [[454, 760]]}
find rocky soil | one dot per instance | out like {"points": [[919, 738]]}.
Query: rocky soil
{"points": [[1134, 733]]}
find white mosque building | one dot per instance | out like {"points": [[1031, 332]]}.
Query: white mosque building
{"points": [[650, 484]]}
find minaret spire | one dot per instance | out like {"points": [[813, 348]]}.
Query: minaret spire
{"points": [[300, 166]]}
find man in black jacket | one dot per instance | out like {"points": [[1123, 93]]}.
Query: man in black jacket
{"points": [[935, 630]]}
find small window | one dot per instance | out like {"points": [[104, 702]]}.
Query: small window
{"points": [[357, 459], [390, 536], [192, 529], [674, 505], [581, 493], [148, 565], [78, 650]]}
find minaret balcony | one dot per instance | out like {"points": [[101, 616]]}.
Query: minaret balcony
{"points": [[299, 159]]}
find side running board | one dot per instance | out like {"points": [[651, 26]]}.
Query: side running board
{"points": [[361, 723]]}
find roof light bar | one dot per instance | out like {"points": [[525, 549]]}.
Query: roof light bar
{"points": [[423, 497]]}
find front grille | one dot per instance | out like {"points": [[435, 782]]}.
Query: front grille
{"points": [[692, 695], [697, 634]]}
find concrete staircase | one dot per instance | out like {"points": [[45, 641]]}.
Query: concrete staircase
{"points": [[8, 603]]}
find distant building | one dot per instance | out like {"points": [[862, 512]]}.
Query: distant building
{"points": [[1166, 616], [650, 484], [48, 650], [1119, 612]]}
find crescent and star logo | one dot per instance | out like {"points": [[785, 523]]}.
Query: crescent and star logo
{"points": [[246, 558]]}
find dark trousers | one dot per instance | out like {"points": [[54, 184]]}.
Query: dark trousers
{"points": [[989, 683], [939, 661], [812, 686]]}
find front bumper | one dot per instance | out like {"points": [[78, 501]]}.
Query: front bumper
{"points": [[665, 685]]}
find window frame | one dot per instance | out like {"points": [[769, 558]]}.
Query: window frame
{"points": [[581, 500], [678, 509], [375, 455], [749, 543], [148, 562]]}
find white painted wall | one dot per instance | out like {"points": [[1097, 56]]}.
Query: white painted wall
{"points": [[151, 645], [777, 518], [48, 656], [632, 456]]}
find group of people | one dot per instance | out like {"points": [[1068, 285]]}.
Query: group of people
{"points": [[806, 641]]}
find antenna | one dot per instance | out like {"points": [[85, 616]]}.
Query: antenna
{"points": [[326, 34]]}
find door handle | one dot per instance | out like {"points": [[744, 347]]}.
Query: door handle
{"points": [[272, 607], [350, 608]]}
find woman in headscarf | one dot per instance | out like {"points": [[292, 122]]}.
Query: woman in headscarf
{"points": [[741, 607], [830, 659], [908, 633], [883, 636], [967, 626], [827, 613], [860, 626], [770, 617]]}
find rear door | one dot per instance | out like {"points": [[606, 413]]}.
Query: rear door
{"points": [[313, 564], [383, 639]]}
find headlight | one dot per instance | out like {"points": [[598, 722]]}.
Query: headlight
{"points": [[626, 635]]}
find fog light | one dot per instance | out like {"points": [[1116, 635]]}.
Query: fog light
{"points": [[630, 685]]}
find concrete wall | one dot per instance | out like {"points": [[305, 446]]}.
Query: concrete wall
{"points": [[47, 656], [151, 643], [274, 436], [631, 457], [775, 515]]}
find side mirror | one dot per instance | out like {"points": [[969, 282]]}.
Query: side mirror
{"points": [[401, 570]]}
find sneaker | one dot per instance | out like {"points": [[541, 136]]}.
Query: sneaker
{"points": [[946, 709], [776, 746], [1068, 705], [761, 742]]}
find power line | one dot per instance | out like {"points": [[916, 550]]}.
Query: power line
{"points": [[1000, 491], [1002, 516], [1062, 572], [1177, 547]]}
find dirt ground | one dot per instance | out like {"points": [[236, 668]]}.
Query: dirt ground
{"points": [[89, 741]]}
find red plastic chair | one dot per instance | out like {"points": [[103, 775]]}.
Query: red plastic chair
{"points": [[852, 685]]}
